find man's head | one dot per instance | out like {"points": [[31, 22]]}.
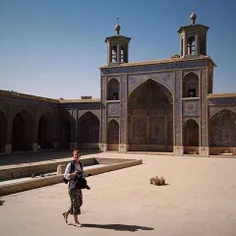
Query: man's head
{"points": [[76, 155]]}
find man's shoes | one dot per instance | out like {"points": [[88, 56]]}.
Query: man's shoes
{"points": [[77, 224]]}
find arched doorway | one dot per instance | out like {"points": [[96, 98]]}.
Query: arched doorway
{"points": [[150, 118], [113, 90], [45, 132], [22, 133], [190, 85], [88, 131], [3, 131], [222, 127], [191, 137], [65, 134], [113, 135]]}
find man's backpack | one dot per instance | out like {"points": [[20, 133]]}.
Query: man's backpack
{"points": [[72, 169], [79, 182]]}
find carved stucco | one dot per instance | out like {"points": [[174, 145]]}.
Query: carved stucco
{"points": [[188, 71], [214, 110], [116, 119], [18, 108], [185, 119], [166, 79], [113, 77], [46, 111], [94, 112]]}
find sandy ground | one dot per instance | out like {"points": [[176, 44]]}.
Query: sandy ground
{"points": [[198, 200]]}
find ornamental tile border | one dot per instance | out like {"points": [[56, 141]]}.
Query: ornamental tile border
{"points": [[157, 67], [177, 110]]}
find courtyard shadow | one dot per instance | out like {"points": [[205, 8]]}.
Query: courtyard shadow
{"points": [[1, 202], [42, 155], [118, 227]]}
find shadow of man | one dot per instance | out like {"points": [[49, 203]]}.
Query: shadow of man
{"points": [[118, 227]]}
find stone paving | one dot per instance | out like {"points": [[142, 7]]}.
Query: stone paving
{"points": [[198, 200]]}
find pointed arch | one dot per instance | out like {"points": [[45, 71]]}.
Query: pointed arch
{"points": [[222, 129], [190, 85], [191, 135], [191, 43], [3, 131], [133, 88], [150, 106], [88, 128], [113, 89], [113, 135], [219, 109], [22, 132]]}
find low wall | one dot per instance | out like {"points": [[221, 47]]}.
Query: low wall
{"points": [[219, 150], [39, 182], [26, 170]]}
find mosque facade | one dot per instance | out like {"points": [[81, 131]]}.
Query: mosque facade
{"points": [[152, 106]]}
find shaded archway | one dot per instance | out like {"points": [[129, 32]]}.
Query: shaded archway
{"points": [[191, 136], [150, 109], [113, 135], [88, 127], [222, 128], [3, 131], [65, 134], [190, 85], [113, 90], [22, 132], [45, 132]]}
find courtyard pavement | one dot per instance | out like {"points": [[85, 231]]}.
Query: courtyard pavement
{"points": [[198, 200]]}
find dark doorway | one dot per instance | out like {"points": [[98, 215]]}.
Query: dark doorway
{"points": [[22, 133], [3, 132], [65, 133]]}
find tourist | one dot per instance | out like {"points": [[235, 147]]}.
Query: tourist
{"points": [[74, 170]]}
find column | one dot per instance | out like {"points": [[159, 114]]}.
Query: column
{"points": [[196, 44], [166, 123], [102, 142], [8, 148], [178, 145], [123, 115], [118, 53], [204, 148], [73, 142]]}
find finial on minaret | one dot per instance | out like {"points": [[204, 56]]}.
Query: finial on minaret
{"points": [[193, 17], [117, 27]]}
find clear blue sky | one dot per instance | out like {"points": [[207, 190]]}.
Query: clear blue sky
{"points": [[54, 48]]}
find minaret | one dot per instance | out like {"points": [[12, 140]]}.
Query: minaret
{"points": [[193, 38], [117, 47]]}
